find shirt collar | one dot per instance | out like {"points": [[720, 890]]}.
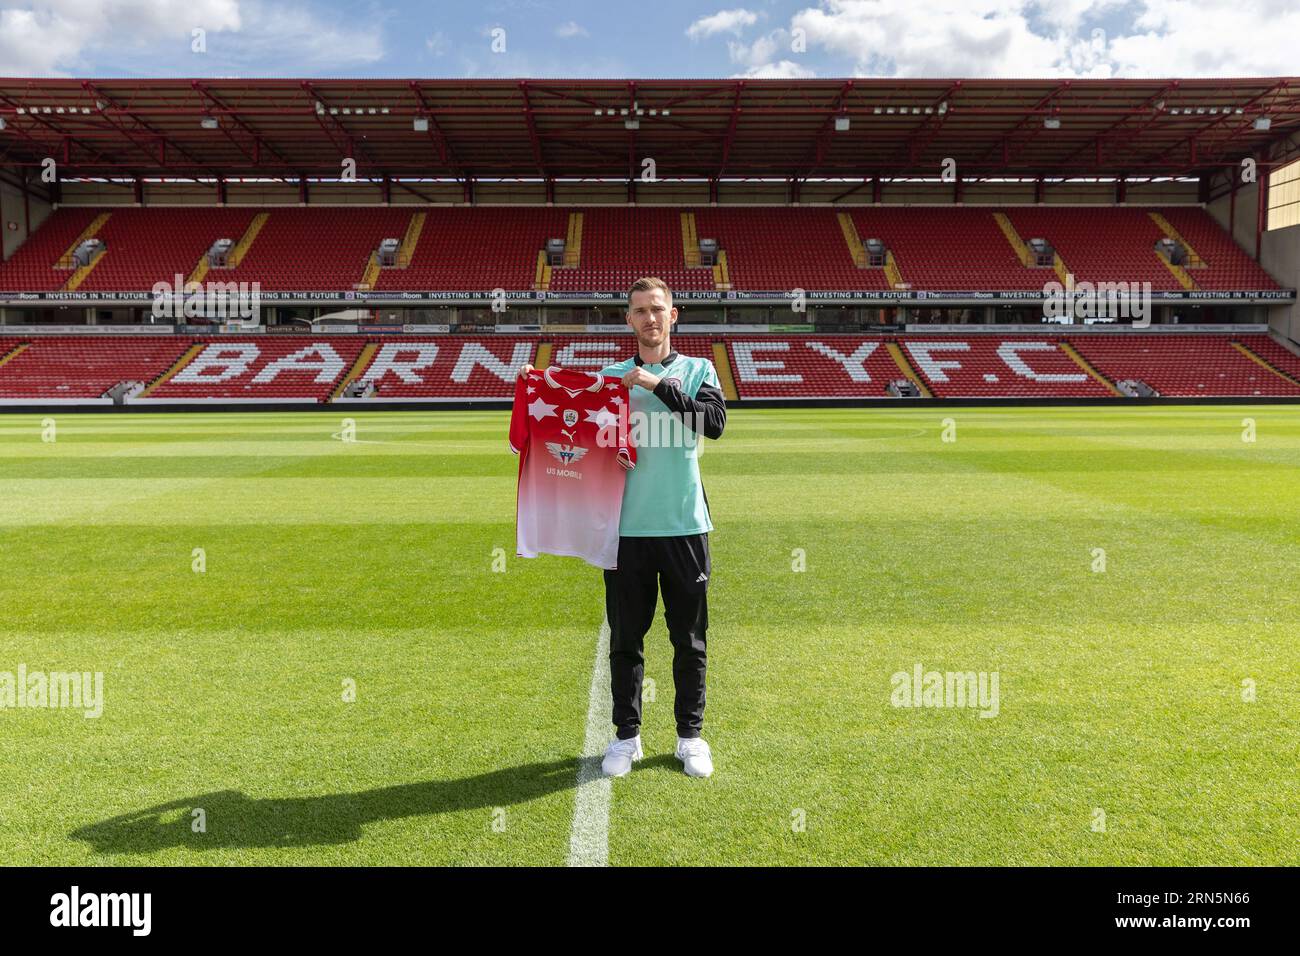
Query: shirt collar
{"points": [[668, 359], [595, 386]]}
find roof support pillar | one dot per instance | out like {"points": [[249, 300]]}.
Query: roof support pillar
{"points": [[1261, 202], [1232, 207]]}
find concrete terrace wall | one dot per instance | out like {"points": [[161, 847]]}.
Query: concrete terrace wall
{"points": [[1279, 251], [1280, 255], [25, 218]]}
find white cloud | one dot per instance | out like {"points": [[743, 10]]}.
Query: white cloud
{"points": [[756, 53], [932, 37], [52, 36], [61, 37], [1210, 38], [568, 30], [1051, 38], [762, 57], [724, 21], [297, 40], [437, 44], [781, 70]]}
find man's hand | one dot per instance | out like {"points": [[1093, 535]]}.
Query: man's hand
{"points": [[524, 370], [639, 376]]}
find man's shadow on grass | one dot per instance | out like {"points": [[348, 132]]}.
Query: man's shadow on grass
{"points": [[234, 820]]}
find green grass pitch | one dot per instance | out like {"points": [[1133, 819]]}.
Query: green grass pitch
{"points": [[1148, 712]]}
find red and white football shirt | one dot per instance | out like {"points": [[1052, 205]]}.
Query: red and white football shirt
{"points": [[570, 430]]}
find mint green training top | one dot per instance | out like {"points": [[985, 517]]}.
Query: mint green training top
{"points": [[663, 495]]}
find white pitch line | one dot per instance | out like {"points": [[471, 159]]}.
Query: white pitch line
{"points": [[589, 836]]}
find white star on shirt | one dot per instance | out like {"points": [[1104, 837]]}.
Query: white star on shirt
{"points": [[539, 409], [612, 385], [602, 417], [530, 390], [616, 400]]}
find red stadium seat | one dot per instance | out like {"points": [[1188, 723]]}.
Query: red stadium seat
{"points": [[86, 366], [310, 368], [1181, 364], [768, 248]]}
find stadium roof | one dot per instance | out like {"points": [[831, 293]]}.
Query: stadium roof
{"points": [[558, 129]]}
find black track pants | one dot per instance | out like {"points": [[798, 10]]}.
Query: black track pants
{"points": [[679, 567]]}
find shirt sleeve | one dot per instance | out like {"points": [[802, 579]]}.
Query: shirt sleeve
{"points": [[704, 414], [519, 416], [711, 376]]}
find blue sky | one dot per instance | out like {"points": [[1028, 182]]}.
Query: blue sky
{"points": [[536, 38]]}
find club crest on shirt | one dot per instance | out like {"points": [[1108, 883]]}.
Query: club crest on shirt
{"points": [[570, 417], [566, 454], [674, 381]]}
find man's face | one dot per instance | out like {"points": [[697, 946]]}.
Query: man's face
{"points": [[650, 316]]}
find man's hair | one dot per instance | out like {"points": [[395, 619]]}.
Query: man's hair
{"points": [[649, 284]]}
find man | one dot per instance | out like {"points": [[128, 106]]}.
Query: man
{"points": [[663, 530]]}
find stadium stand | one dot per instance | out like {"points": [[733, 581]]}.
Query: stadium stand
{"points": [[992, 366], [619, 245], [1100, 245], [85, 366], [765, 248], [1181, 365], [762, 169], [485, 248], [1226, 265], [451, 368], [32, 268], [821, 366], [320, 368], [1105, 244], [321, 248], [937, 248], [279, 368], [771, 248], [146, 246], [1274, 353]]}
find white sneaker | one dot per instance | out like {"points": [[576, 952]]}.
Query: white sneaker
{"points": [[695, 756], [619, 756]]}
